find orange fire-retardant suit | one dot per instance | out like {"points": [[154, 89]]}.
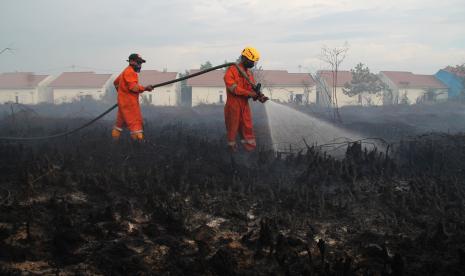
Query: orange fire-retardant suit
{"points": [[129, 115], [237, 114]]}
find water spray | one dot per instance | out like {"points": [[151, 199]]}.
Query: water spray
{"points": [[292, 131]]}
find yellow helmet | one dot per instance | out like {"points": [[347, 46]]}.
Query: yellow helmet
{"points": [[251, 53]]}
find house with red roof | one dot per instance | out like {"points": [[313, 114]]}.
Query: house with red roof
{"points": [[330, 83], [207, 88], [409, 88], [24, 88], [278, 85], [75, 86], [282, 86], [168, 95]]}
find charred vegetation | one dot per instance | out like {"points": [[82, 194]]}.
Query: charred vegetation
{"points": [[179, 203]]}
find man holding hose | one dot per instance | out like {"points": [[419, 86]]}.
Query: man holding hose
{"points": [[128, 87]]}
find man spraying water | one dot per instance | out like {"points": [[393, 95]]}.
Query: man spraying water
{"points": [[240, 87]]}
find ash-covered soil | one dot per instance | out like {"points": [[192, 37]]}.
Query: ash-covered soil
{"points": [[180, 204]]}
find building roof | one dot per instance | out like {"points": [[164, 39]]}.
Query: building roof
{"points": [[284, 78], [80, 80], [147, 77], [266, 77], [20, 80], [343, 77], [410, 80], [458, 70]]}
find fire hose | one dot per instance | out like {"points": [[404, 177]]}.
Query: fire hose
{"points": [[256, 88]]}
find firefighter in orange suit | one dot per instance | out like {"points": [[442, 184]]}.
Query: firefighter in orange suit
{"points": [[128, 87], [237, 115]]}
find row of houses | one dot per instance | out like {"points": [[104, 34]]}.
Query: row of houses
{"points": [[401, 88], [28, 88], [278, 85], [302, 88]]}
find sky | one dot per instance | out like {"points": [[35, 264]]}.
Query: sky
{"points": [[52, 36]]}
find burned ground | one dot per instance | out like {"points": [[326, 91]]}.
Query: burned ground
{"points": [[179, 204]]}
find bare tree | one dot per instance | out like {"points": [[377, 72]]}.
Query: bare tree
{"points": [[334, 57], [306, 96]]}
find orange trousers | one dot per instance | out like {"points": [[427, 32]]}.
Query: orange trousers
{"points": [[129, 115], [238, 118]]}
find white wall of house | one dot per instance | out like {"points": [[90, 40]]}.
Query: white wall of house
{"points": [[345, 100], [208, 95], [169, 95], [417, 95], [22, 96], [217, 94], [67, 95], [291, 93], [27, 95], [325, 92], [410, 95], [364, 99]]}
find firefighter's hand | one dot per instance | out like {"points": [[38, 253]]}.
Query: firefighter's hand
{"points": [[257, 87], [148, 88], [253, 95], [263, 99]]}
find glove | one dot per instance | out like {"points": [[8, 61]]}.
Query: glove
{"points": [[253, 95], [148, 88], [263, 99]]}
